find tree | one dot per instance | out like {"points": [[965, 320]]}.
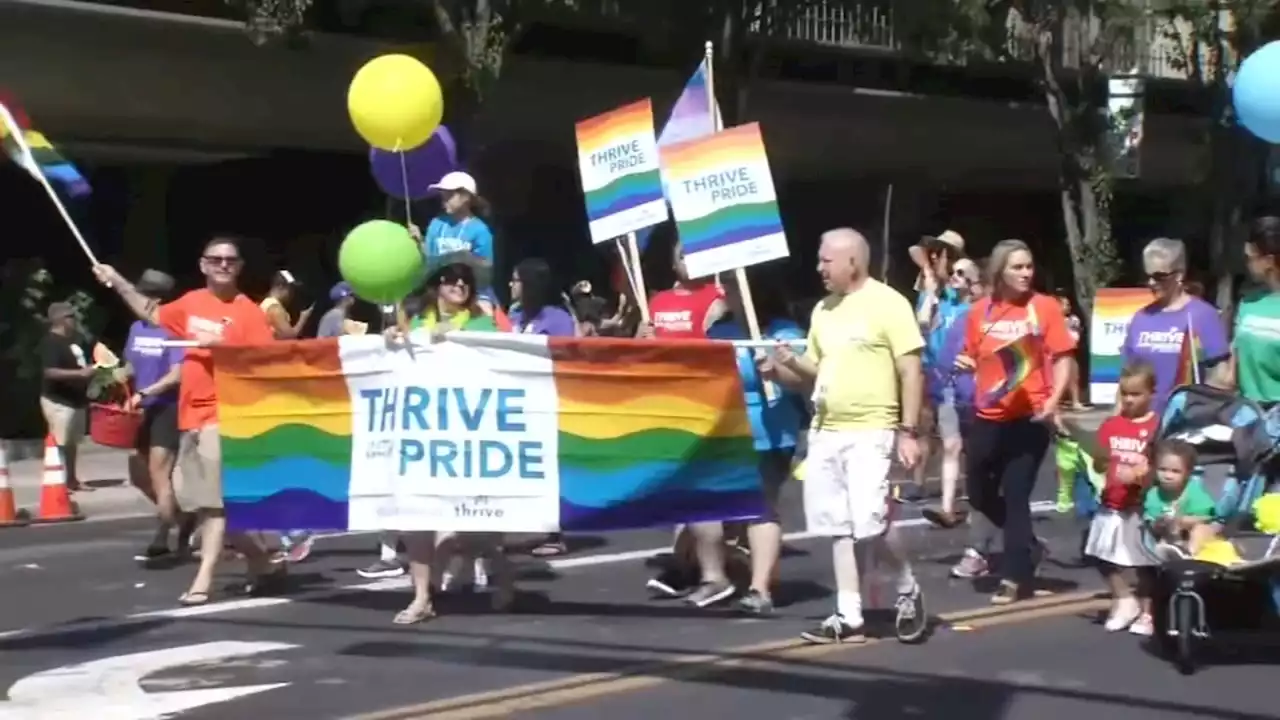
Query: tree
{"points": [[1210, 38], [1070, 47]]}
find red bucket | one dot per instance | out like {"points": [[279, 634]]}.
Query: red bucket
{"points": [[113, 426]]}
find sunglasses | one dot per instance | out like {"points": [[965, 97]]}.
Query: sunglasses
{"points": [[453, 278], [222, 260], [1159, 276]]}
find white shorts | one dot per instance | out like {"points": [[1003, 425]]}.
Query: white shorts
{"points": [[846, 485]]}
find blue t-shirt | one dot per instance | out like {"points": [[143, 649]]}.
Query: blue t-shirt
{"points": [[944, 383], [151, 360], [447, 235], [776, 423], [949, 307]]}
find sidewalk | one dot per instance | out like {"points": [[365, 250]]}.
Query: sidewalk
{"points": [[105, 470]]}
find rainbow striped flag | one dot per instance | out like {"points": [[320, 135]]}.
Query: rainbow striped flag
{"points": [[1018, 360], [483, 432], [1190, 355], [34, 153]]}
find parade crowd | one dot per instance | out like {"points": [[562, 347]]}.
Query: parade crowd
{"points": [[853, 397]]}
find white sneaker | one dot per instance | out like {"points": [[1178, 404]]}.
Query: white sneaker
{"points": [[1143, 626], [1124, 614]]}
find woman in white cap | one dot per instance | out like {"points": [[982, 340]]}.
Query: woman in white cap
{"points": [[459, 228]]}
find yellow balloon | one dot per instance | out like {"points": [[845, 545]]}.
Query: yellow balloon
{"points": [[1266, 512], [395, 102]]}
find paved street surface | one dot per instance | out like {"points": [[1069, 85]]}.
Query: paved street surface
{"points": [[85, 633]]}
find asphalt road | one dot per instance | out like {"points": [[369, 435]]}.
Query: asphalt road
{"points": [[85, 633]]}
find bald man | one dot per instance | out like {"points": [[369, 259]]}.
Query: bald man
{"points": [[862, 366]]}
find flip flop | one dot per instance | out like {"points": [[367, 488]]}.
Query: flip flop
{"points": [[410, 616], [193, 599]]}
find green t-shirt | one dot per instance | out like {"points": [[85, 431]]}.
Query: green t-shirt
{"points": [[1257, 347], [462, 321], [1195, 502]]}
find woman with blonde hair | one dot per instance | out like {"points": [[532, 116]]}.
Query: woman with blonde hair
{"points": [[1019, 348]]}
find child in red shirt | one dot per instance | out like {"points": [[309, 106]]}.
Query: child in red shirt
{"points": [[1116, 534]]}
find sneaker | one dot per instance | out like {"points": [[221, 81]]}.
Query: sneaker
{"points": [[710, 593], [381, 569], [153, 553], [972, 565], [1125, 613], [671, 583], [1008, 593], [755, 602], [912, 620], [1144, 626], [297, 546], [834, 630]]}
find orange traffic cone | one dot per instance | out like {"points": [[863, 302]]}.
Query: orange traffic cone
{"points": [[10, 515], [55, 501]]}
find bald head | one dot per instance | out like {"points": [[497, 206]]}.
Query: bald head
{"points": [[843, 257]]}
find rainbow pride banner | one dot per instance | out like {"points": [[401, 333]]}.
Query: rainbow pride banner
{"points": [[1113, 309], [621, 180], [722, 196], [483, 432]]}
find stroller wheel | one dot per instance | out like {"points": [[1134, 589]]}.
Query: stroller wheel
{"points": [[1186, 624]]}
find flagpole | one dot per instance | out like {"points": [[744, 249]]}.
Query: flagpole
{"points": [[28, 161], [1191, 338]]}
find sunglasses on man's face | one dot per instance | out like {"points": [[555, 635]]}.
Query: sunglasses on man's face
{"points": [[222, 260]]}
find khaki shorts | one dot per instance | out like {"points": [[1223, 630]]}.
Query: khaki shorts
{"points": [[846, 488], [199, 484], [66, 424]]}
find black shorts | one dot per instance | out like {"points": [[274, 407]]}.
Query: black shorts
{"points": [[159, 428]]}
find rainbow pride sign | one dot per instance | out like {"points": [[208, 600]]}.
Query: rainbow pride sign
{"points": [[483, 432], [621, 180], [1113, 309], [722, 196]]}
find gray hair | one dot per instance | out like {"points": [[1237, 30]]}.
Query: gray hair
{"points": [[1166, 251]]}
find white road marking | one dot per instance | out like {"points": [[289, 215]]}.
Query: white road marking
{"points": [[110, 688], [399, 583]]}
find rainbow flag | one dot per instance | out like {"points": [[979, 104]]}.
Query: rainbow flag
{"points": [[1190, 355], [1113, 309], [34, 153], [618, 160], [722, 195], [485, 432], [1018, 360], [694, 115]]}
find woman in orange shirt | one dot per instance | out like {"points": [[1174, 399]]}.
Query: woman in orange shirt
{"points": [[1019, 347]]}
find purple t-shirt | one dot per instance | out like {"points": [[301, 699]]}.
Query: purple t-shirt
{"points": [[1155, 335], [151, 360], [550, 320]]}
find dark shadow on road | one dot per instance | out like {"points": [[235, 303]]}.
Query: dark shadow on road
{"points": [[67, 636]]}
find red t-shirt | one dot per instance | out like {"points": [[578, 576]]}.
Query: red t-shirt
{"points": [[993, 325], [236, 322], [682, 312], [1126, 441]]}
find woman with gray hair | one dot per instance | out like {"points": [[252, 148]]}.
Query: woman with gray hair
{"points": [[1157, 331]]}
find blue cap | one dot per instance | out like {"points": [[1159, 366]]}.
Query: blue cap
{"points": [[341, 291]]}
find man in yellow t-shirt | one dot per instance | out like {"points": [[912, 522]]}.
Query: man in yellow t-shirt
{"points": [[862, 365]]}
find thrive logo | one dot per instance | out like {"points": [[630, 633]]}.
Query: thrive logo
{"points": [[1162, 341]]}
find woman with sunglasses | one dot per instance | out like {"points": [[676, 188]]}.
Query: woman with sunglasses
{"points": [[1157, 331], [451, 303]]}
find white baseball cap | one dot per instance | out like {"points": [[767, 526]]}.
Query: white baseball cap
{"points": [[456, 180]]}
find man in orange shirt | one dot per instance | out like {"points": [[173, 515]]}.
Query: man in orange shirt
{"points": [[216, 314]]}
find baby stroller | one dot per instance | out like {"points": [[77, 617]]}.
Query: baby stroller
{"points": [[1196, 601]]}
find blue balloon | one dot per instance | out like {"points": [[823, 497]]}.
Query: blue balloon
{"points": [[1256, 92]]}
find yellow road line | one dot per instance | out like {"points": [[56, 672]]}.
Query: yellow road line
{"points": [[577, 688]]}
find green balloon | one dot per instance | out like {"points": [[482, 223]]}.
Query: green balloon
{"points": [[381, 261]]}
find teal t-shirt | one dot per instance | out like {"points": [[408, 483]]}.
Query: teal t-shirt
{"points": [[1195, 502], [1257, 347]]}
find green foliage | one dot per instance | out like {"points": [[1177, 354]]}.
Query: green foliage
{"points": [[24, 300]]}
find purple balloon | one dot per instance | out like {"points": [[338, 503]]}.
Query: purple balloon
{"points": [[409, 175]]}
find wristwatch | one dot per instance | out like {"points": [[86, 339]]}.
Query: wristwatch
{"points": [[908, 430]]}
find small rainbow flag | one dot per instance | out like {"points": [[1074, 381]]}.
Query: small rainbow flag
{"points": [[621, 181], [1190, 354], [34, 153], [1018, 360], [722, 196], [538, 434]]}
